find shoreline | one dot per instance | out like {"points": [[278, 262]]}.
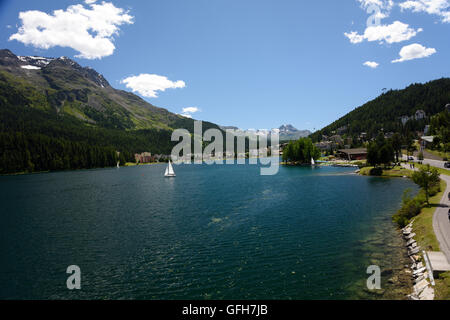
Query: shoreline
{"points": [[401, 279], [419, 235], [129, 164]]}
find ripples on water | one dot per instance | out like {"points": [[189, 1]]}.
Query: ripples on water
{"points": [[213, 232]]}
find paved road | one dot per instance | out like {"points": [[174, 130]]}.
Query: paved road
{"points": [[433, 163], [441, 221], [428, 155]]}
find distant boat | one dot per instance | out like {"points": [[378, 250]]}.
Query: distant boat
{"points": [[118, 165], [313, 163], [169, 171]]}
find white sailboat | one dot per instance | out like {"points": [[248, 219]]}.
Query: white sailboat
{"points": [[313, 163], [118, 165], [169, 171]]}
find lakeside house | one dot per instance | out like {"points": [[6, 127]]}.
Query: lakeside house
{"points": [[145, 157], [352, 154]]}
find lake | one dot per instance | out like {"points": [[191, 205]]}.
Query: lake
{"points": [[213, 232]]}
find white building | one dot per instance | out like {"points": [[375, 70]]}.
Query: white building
{"points": [[420, 114]]}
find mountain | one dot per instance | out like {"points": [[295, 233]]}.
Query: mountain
{"points": [[289, 132], [386, 111], [61, 85], [56, 114]]}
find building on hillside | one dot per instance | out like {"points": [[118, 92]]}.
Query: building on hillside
{"points": [[420, 114], [337, 139], [326, 145], [342, 130], [352, 154]]}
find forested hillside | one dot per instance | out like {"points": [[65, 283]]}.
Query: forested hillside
{"points": [[385, 111]]}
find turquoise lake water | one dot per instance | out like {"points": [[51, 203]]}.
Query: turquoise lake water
{"points": [[213, 232]]}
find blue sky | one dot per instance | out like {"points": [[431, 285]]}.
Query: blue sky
{"points": [[246, 63]]}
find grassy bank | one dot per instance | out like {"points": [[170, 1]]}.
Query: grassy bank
{"points": [[426, 238], [439, 153], [423, 223], [393, 172], [440, 170]]}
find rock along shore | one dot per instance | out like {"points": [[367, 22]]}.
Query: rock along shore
{"points": [[422, 289]]}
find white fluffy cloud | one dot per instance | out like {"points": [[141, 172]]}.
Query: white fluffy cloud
{"points": [[88, 30], [187, 112], [148, 85], [414, 51], [190, 110], [436, 7], [371, 64], [392, 33]]}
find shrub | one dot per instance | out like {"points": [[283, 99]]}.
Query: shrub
{"points": [[409, 210], [411, 207], [401, 221], [434, 190], [376, 171]]}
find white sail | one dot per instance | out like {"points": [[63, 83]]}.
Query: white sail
{"points": [[169, 170], [313, 162], [118, 164]]}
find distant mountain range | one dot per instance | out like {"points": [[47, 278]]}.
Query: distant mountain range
{"points": [[287, 132]]}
